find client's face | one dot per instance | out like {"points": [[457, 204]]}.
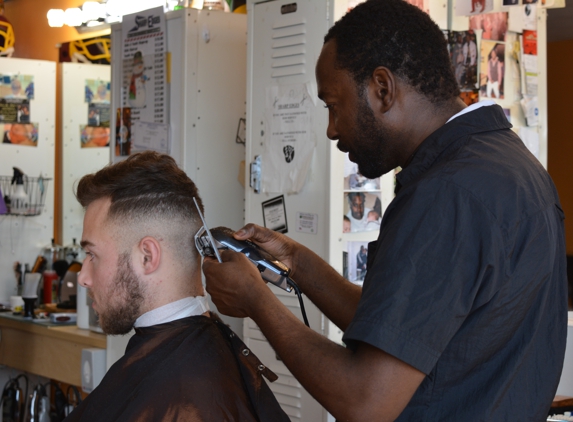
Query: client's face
{"points": [[115, 288]]}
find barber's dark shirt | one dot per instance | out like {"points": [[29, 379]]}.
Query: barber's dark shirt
{"points": [[467, 281]]}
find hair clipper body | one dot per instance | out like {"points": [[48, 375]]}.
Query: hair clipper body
{"points": [[272, 270]]}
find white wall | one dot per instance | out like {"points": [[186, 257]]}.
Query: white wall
{"points": [[22, 238]]}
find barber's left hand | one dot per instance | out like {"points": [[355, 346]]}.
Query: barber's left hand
{"points": [[235, 285]]}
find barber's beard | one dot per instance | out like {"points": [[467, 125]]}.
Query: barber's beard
{"points": [[125, 299], [372, 152]]}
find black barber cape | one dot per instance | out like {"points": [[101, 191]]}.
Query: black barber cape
{"points": [[191, 369]]}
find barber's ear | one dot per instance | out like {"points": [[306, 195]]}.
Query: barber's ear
{"points": [[149, 255], [382, 89]]}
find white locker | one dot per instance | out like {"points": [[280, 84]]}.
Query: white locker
{"points": [[206, 94], [283, 46]]}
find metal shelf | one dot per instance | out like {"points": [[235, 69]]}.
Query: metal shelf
{"points": [[35, 187]]}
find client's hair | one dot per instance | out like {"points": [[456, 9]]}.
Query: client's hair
{"points": [[147, 190]]}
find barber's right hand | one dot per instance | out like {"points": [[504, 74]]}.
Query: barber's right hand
{"points": [[235, 285], [280, 246]]}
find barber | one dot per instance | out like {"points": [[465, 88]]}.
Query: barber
{"points": [[463, 311]]}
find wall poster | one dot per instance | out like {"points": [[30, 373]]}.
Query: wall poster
{"points": [[144, 79]]}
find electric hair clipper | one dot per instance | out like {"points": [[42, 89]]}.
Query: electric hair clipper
{"points": [[208, 242], [272, 270]]}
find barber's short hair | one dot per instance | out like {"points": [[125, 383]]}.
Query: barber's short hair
{"points": [[401, 37], [146, 187]]}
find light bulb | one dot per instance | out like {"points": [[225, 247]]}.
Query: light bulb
{"points": [[55, 18], [73, 16]]}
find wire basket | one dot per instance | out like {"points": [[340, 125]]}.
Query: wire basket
{"points": [[35, 188]]}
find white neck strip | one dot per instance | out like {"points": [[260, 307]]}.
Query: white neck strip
{"points": [[182, 308], [473, 107]]}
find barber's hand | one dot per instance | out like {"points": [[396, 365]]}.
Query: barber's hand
{"points": [[280, 246], [235, 285]]}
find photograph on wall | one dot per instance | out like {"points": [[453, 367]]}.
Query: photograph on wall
{"points": [[510, 2], [94, 136], [492, 68], [423, 5], [473, 7], [98, 95], [99, 114], [463, 52], [345, 264], [123, 132], [493, 25], [356, 260], [16, 86], [14, 110], [97, 91], [362, 212], [25, 134], [353, 180], [470, 97]]}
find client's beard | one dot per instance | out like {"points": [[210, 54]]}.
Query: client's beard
{"points": [[125, 299]]}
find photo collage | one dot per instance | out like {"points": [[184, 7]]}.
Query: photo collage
{"points": [[362, 212], [16, 121], [98, 97]]}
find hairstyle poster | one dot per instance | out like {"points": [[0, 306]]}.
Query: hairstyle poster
{"points": [[97, 91], [24, 134], [98, 95], [14, 110], [464, 55], [423, 5], [94, 136], [357, 256], [17, 86], [493, 25], [510, 2], [362, 200], [492, 69], [16, 91], [353, 180], [470, 97], [473, 7], [362, 212]]}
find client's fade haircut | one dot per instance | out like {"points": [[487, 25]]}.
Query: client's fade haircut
{"points": [[146, 185], [401, 37]]}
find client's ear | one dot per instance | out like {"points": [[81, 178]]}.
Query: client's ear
{"points": [[149, 254]]}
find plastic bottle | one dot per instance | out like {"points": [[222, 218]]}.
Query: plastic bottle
{"points": [[19, 201], [74, 252], [52, 252]]}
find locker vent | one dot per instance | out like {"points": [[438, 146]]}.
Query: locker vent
{"points": [[288, 46], [287, 390]]}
